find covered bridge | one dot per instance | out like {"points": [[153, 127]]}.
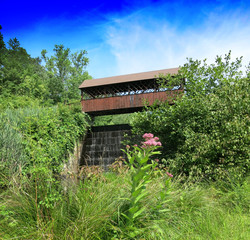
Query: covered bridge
{"points": [[124, 93]]}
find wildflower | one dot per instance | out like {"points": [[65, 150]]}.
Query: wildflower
{"points": [[135, 145], [128, 147], [151, 142], [148, 136], [159, 144], [169, 174], [157, 160]]}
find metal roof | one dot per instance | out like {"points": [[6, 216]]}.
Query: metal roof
{"points": [[127, 78]]}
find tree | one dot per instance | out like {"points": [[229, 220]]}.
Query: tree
{"points": [[66, 72], [2, 51], [16, 67], [23, 81], [206, 132], [2, 44]]}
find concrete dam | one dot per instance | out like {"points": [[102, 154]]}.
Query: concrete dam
{"points": [[103, 145]]}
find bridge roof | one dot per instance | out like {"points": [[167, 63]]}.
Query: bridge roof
{"points": [[126, 78]]}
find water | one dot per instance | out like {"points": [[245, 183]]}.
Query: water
{"points": [[103, 145]]}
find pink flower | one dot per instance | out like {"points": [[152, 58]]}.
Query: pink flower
{"points": [[157, 160], [148, 136], [128, 147], [135, 145], [159, 144], [169, 174], [150, 140]]}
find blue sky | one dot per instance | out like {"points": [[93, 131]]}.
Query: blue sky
{"points": [[124, 37]]}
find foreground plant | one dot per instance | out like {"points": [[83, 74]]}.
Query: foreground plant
{"points": [[141, 165]]}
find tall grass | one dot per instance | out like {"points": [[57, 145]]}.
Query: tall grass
{"points": [[12, 154], [95, 208], [11, 149], [92, 210]]}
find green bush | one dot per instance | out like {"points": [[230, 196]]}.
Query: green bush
{"points": [[15, 102], [206, 132], [35, 142]]}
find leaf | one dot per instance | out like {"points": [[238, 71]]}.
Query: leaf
{"points": [[139, 212], [142, 195], [148, 166], [133, 209]]}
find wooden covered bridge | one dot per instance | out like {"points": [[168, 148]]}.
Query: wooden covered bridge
{"points": [[116, 95], [124, 93]]}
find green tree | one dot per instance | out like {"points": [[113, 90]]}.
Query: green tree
{"points": [[66, 72], [206, 132], [23, 80], [2, 50], [20, 74], [2, 44]]}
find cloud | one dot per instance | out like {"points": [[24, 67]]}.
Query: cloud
{"points": [[147, 40], [136, 36]]}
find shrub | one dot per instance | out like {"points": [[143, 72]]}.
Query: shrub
{"points": [[206, 132], [42, 139]]}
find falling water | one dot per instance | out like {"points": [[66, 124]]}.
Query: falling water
{"points": [[103, 145]]}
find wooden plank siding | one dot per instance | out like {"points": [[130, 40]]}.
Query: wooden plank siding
{"points": [[132, 101]]}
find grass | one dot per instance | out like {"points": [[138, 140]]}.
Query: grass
{"points": [[93, 210], [12, 153]]}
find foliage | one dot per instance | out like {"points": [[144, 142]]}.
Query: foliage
{"points": [[119, 166], [140, 166], [53, 133], [42, 139], [112, 119], [16, 101], [25, 79], [12, 154], [20, 74], [66, 72], [90, 172], [91, 209], [206, 132], [2, 46]]}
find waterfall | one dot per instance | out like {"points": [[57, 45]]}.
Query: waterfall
{"points": [[103, 145]]}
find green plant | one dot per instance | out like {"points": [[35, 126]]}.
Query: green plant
{"points": [[40, 140], [205, 134], [92, 210], [119, 166], [91, 173], [140, 165]]}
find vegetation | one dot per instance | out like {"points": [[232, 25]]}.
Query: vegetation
{"points": [[192, 183], [35, 143], [92, 210], [112, 119], [24, 81], [206, 132], [65, 73]]}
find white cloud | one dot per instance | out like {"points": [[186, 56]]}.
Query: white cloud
{"points": [[143, 41]]}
